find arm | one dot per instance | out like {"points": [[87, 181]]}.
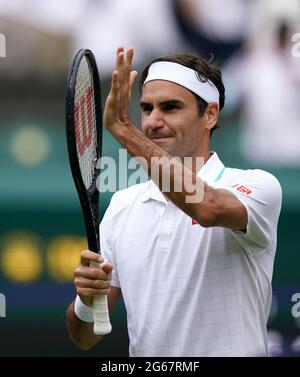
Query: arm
{"points": [[90, 281], [214, 207]]}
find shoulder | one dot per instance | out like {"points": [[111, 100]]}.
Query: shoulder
{"points": [[253, 181], [251, 175], [124, 199], [130, 193], [255, 176]]}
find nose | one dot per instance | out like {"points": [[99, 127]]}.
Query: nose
{"points": [[154, 119]]}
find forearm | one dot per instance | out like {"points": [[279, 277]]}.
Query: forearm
{"points": [[81, 333], [190, 188]]}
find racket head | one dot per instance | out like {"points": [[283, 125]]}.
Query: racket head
{"points": [[84, 137]]}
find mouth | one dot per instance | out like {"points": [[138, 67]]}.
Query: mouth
{"points": [[161, 138]]}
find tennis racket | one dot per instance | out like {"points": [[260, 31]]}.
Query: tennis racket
{"points": [[84, 139]]}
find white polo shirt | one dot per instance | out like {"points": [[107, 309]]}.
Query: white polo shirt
{"points": [[189, 290]]}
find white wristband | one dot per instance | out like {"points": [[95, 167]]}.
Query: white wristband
{"points": [[83, 312]]}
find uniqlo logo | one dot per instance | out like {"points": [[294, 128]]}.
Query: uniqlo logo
{"points": [[244, 190]]}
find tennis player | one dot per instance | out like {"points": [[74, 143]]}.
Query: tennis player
{"points": [[194, 266]]}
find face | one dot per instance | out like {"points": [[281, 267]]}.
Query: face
{"points": [[170, 119]]}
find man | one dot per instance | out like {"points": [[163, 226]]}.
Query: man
{"points": [[194, 266]]}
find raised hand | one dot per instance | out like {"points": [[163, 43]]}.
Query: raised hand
{"points": [[117, 102]]}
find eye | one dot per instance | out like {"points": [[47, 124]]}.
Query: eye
{"points": [[170, 107], [146, 108]]}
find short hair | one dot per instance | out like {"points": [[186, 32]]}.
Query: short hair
{"points": [[206, 71]]}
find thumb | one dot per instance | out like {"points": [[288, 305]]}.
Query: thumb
{"points": [[107, 268]]}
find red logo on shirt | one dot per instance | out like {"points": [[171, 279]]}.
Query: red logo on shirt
{"points": [[194, 222], [244, 190]]}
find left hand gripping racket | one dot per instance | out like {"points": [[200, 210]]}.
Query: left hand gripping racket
{"points": [[84, 139]]}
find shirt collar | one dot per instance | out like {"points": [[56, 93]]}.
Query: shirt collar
{"points": [[210, 172]]}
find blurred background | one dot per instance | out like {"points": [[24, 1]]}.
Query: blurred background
{"points": [[41, 229]]}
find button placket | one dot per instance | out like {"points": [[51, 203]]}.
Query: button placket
{"points": [[165, 228]]}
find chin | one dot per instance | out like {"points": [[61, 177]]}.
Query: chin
{"points": [[172, 152]]}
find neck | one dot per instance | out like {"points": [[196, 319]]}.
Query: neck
{"points": [[196, 161]]}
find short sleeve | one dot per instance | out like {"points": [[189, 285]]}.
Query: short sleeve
{"points": [[107, 250], [261, 194]]}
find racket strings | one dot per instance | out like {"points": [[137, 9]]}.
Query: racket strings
{"points": [[85, 123]]}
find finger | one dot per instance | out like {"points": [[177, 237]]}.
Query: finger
{"points": [[112, 105], [133, 76], [120, 59], [128, 64], [120, 49], [129, 55], [82, 282], [90, 273], [93, 273], [107, 268], [87, 256], [115, 85], [89, 292], [120, 65]]}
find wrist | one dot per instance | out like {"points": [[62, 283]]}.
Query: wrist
{"points": [[82, 311]]}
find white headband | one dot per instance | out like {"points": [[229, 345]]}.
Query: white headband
{"points": [[183, 76]]}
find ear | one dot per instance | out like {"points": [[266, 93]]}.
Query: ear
{"points": [[211, 114]]}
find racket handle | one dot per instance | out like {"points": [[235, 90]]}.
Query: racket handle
{"points": [[102, 324]]}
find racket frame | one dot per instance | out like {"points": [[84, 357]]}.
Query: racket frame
{"points": [[89, 199]]}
